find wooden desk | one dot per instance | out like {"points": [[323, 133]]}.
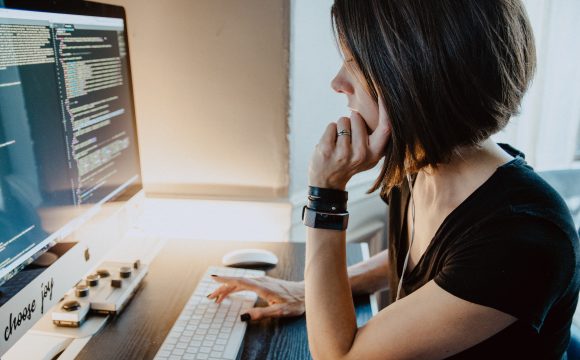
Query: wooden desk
{"points": [[141, 329]]}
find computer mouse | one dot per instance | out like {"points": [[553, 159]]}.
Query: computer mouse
{"points": [[250, 257]]}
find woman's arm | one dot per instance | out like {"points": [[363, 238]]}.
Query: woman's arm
{"points": [[286, 298], [371, 275], [331, 319], [430, 323]]}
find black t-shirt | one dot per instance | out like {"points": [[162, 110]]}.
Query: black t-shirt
{"points": [[512, 246]]}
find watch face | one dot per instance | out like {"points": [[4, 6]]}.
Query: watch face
{"points": [[319, 220]]}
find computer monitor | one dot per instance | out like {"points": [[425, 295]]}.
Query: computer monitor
{"points": [[69, 159]]}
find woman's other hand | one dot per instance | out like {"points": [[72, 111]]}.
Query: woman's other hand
{"points": [[338, 158], [285, 298]]}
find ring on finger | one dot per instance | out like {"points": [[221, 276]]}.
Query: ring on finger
{"points": [[344, 132]]}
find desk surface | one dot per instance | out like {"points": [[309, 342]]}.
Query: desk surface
{"points": [[141, 329]]}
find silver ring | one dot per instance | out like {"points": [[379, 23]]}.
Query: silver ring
{"points": [[344, 132]]}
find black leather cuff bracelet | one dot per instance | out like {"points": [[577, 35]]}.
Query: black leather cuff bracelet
{"points": [[327, 200], [326, 206], [331, 195]]}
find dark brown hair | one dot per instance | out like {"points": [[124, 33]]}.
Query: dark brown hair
{"points": [[451, 72]]}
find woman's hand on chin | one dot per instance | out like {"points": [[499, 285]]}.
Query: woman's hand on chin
{"points": [[338, 157]]}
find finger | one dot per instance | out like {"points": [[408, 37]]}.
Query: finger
{"points": [[229, 285], [328, 139], [235, 284], [379, 138], [360, 137], [272, 311], [343, 141], [222, 292]]}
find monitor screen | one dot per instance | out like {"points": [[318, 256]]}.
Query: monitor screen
{"points": [[68, 139]]}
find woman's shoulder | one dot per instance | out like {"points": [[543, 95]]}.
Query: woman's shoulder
{"points": [[522, 212], [526, 194]]}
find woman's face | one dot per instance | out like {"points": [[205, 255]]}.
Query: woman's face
{"points": [[347, 82]]}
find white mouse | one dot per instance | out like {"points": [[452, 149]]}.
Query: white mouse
{"points": [[250, 257]]}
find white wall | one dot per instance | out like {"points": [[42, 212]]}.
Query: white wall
{"points": [[210, 79], [314, 61], [548, 127]]}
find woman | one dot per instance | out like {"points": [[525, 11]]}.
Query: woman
{"points": [[483, 254]]}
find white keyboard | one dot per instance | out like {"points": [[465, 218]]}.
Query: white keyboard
{"points": [[206, 330]]}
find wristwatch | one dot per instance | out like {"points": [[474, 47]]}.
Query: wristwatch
{"points": [[324, 220]]}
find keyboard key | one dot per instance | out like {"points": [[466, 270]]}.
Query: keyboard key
{"points": [[178, 352]]}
